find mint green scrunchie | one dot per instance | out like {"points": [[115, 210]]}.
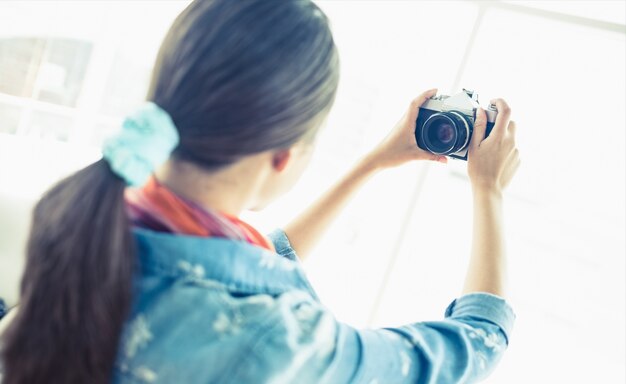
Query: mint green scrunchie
{"points": [[146, 140]]}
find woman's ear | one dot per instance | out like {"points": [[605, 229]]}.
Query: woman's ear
{"points": [[280, 159]]}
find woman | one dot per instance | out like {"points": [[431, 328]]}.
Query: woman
{"points": [[163, 283]]}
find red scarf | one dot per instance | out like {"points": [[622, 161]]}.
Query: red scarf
{"points": [[155, 207]]}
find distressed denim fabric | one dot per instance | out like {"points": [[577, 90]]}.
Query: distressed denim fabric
{"points": [[3, 308], [213, 310]]}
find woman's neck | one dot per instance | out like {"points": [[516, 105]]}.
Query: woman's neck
{"points": [[229, 190]]}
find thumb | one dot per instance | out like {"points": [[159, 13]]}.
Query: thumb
{"points": [[480, 126], [432, 157]]}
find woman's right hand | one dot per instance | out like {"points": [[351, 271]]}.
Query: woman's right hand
{"points": [[493, 161]]}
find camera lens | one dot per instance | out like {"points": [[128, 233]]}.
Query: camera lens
{"points": [[443, 133], [446, 132]]}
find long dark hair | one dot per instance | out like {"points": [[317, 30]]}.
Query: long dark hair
{"points": [[237, 78]]}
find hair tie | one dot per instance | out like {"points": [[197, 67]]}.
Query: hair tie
{"points": [[146, 140]]}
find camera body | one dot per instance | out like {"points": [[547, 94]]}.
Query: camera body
{"points": [[445, 124]]}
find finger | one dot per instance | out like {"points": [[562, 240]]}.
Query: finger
{"points": [[480, 126], [439, 159], [425, 155], [512, 128], [513, 156], [509, 138], [515, 166], [417, 103], [511, 170], [502, 119]]}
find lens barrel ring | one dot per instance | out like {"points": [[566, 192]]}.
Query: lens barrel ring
{"points": [[466, 124]]}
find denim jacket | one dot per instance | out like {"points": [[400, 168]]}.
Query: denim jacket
{"points": [[3, 309], [214, 310]]}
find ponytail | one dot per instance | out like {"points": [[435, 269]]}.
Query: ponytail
{"points": [[76, 289]]}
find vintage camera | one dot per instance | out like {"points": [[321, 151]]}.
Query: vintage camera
{"points": [[445, 124]]}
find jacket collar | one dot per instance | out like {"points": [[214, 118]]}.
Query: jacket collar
{"points": [[240, 266]]}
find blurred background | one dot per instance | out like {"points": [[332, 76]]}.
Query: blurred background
{"points": [[70, 71]]}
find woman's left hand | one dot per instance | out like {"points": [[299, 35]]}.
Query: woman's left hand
{"points": [[400, 145]]}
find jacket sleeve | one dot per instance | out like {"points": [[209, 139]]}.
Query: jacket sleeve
{"points": [[3, 308], [284, 249], [463, 348], [282, 245]]}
